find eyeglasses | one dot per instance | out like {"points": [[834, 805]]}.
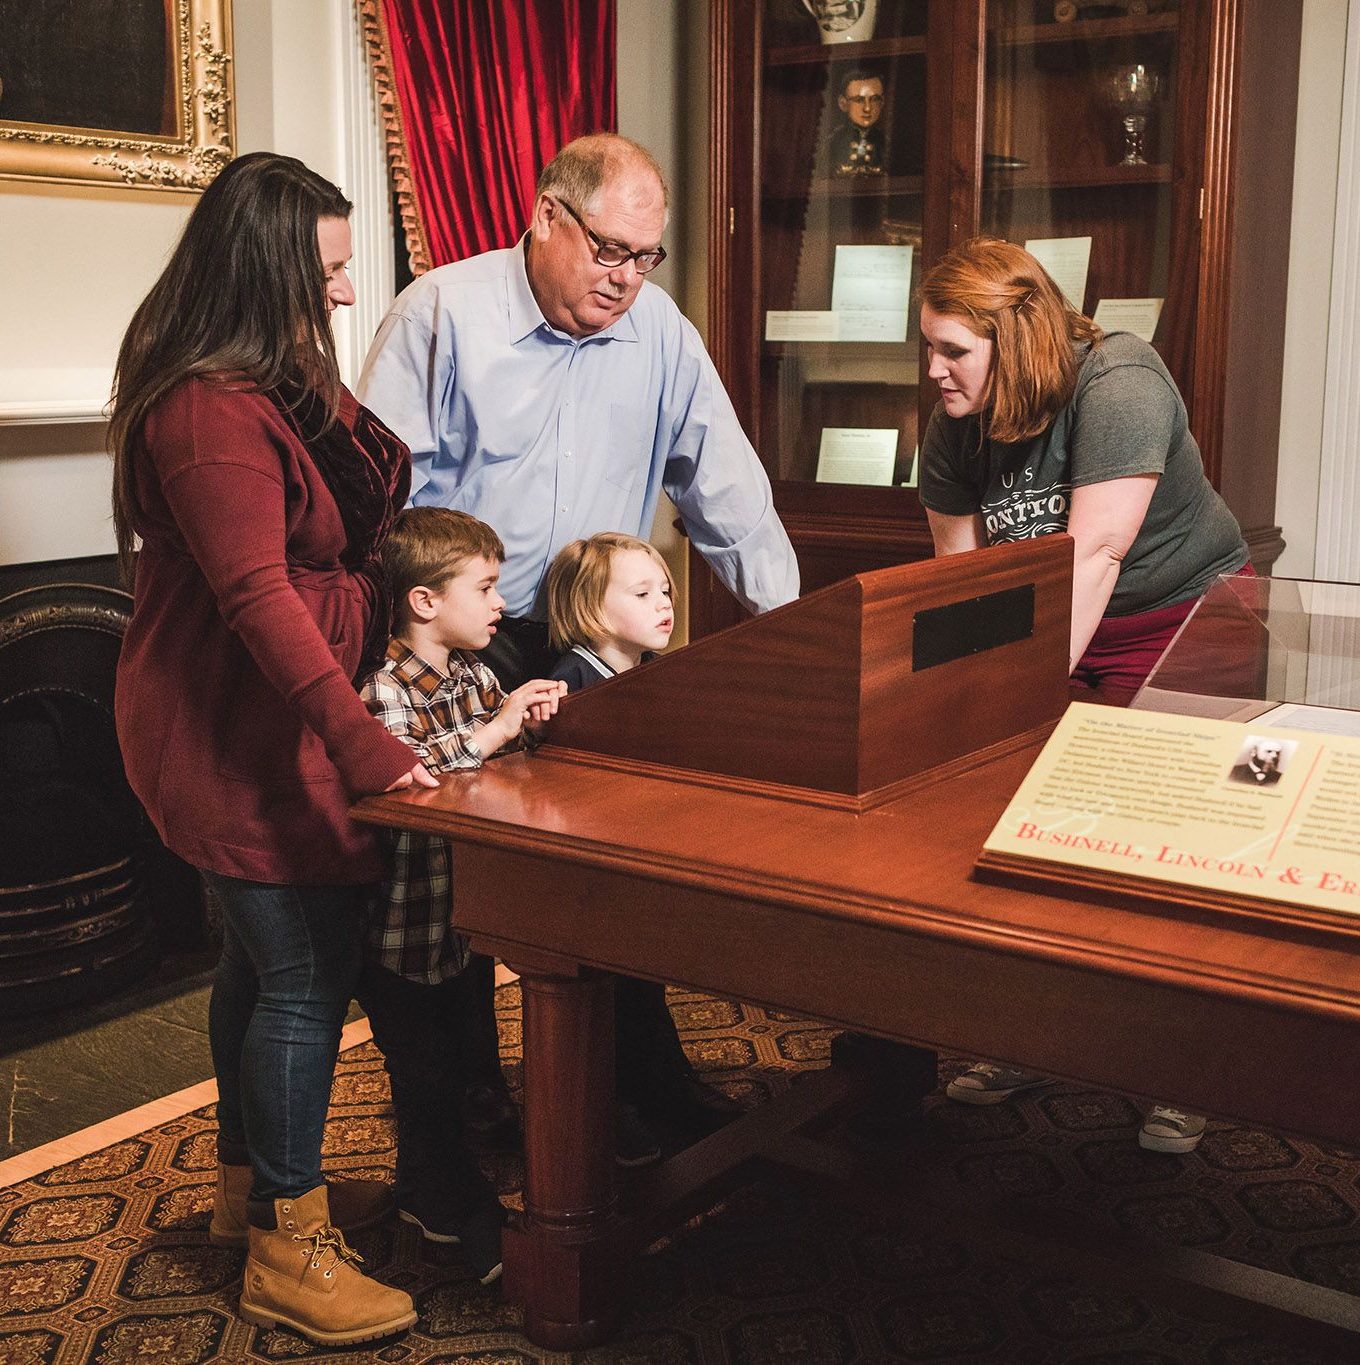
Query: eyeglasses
{"points": [[864, 99], [615, 254]]}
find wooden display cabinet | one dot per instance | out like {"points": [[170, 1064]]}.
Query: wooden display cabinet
{"points": [[995, 117]]}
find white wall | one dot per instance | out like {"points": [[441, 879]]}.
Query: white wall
{"points": [[1337, 554], [650, 98], [1303, 394], [76, 261], [303, 88], [662, 56], [663, 103]]}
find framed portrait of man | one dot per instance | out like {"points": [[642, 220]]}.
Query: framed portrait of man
{"points": [[116, 92]]}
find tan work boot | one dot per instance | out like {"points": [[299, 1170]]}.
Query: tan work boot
{"points": [[354, 1205], [302, 1274]]}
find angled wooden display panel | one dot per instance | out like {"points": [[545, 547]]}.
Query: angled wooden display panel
{"points": [[852, 691]]}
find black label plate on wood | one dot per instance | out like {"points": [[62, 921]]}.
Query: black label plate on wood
{"points": [[942, 634]]}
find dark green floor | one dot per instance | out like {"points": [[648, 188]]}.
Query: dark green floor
{"points": [[67, 1069]]}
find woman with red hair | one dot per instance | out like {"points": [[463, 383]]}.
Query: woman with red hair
{"points": [[1047, 424]]}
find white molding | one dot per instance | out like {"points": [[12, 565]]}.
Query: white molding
{"points": [[58, 410], [365, 181], [1337, 556], [53, 394]]}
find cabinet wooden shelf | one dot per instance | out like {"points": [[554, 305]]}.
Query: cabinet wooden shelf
{"points": [[1098, 177], [850, 187], [819, 54], [864, 514], [1025, 35], [846, 350], [1085, 30]]}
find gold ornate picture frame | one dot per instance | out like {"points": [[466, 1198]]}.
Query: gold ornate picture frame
{"points": [[191, 135]]}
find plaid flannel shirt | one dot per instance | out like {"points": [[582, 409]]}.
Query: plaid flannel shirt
{"points": [[435, 713]]}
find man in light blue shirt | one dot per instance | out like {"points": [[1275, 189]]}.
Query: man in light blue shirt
{"points": [[550, 391]]}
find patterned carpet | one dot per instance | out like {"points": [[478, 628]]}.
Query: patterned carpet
{"points": [[105, 1259]]}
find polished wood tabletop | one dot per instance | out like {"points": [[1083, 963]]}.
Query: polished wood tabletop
{"points": [[876, 921]]}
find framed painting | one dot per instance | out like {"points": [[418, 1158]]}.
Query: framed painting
{"points": [[116, 92]]}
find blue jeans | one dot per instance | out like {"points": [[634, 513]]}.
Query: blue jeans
{"points": [[290, 961]]}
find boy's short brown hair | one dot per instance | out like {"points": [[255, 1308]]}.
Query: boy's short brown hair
{"points": [[427, 547], [577, 582]]}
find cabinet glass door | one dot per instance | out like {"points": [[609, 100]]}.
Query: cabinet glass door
{"points": [[1080, 156], [840, 167]]}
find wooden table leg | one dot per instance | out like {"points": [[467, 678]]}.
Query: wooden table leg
{"points": [[563, 1262]]}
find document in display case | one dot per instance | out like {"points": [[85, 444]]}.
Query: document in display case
{"points": [[864, 455], [1067, 260], [1138, 316], [871, 291]]}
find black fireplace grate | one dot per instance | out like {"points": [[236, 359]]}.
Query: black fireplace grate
{"points": [[75, 847]]}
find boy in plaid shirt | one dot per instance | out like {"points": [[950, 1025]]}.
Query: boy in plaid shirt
{"points": [[434, 694]]}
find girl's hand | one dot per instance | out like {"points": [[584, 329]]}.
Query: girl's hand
{"points": [[419, 776]]}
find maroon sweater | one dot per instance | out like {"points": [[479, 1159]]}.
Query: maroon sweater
{"points": [[240, 728]]}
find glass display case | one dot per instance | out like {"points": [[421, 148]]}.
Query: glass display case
{"points": [[1080, 148], [854, 141], [842, 174], [1281, 651], [1078, 137]]}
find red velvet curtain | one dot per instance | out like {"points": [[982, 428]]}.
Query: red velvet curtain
{"points": [[488, 90]]}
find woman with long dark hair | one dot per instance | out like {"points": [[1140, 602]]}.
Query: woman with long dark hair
{"points": [[261, 492]]}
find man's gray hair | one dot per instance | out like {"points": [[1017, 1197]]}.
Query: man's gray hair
{"points": [[578, 173]]}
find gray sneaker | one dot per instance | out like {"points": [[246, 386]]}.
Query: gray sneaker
{"points": [[1170, 1130], [988, 1083]]}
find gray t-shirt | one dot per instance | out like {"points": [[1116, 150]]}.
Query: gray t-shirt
{"points": [[1125, 418]]}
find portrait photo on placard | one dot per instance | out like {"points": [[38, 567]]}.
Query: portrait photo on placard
{"points": [[1262, 760]]}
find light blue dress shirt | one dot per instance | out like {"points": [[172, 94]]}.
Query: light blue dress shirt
{"points": [[549, 437]]}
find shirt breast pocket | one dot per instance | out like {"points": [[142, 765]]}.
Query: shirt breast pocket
{"points": [[628, 450]]}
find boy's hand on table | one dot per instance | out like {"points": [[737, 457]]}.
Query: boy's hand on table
{"points": [[419, 776], [531, 704]]}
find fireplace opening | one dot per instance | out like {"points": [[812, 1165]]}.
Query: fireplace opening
{"points": [[89, 897]]}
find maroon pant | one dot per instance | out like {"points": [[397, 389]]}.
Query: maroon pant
{"points": [[1125, 649]]}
